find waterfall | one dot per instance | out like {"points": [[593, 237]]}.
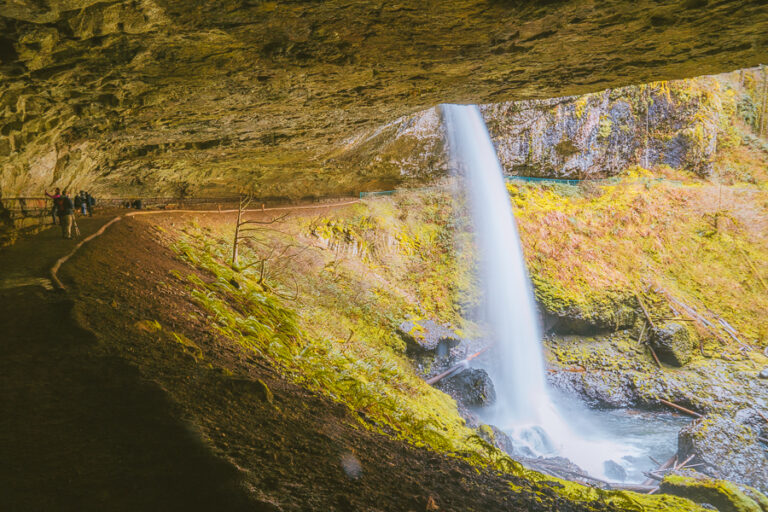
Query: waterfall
{"points": [[524, 407]]}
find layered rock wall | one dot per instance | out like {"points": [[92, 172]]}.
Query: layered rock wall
{"points": [[680, 124]]}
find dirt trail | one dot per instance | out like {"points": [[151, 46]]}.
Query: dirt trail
{"points": [[80, 429], [97, 414]]}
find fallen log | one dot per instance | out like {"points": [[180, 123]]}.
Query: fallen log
{"points": [[642, 305], [681, 408], [450, 371], [752, 266], [732, 332], [653, 476], [653, 352], [662, 467], [575, 369], [698, 317], [686, 461]]}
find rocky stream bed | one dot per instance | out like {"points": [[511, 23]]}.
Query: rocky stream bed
{"points": [[605, 368]]}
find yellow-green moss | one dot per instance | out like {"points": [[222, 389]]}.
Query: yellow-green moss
{"points": [[724, 495]]}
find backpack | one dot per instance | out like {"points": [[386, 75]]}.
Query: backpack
{"points": [[78, 202], [59, 202]]}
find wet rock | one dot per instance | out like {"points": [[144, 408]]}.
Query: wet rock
{"points": [[612, 313], [725, 449], [471, 387], [423, 336], [498, 438], [614, 471], [596, 134], [724, 496], [751, 418], [763, 374], [673, 343], [613, 389]]}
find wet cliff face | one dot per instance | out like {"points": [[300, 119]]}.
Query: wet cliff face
{"points": [[597, 135], [210, 96], [685, 125]]}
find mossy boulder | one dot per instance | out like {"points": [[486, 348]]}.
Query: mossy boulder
{"points": [[565, 314], [427, 336], [673, 343], [725, 449], [725, 496]]}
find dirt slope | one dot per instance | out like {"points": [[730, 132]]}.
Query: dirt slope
{"points": [[154, 417]]}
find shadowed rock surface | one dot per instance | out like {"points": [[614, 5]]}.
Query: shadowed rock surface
{"points": [[199, 96], [470, 388], [673, 343]]}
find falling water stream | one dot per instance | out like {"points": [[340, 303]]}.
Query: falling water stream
{"points": [[525, 408]]}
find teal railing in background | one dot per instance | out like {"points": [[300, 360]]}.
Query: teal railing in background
{"points": [[531, 179], [379, 193]]}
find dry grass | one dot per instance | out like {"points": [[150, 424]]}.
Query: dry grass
{"points": [[705, 244]]}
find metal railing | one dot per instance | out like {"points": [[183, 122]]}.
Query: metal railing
{"points": [[30, 213]]}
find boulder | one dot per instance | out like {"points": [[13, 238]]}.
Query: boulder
{"points": [[725, 449], [427, 336], [615, 471], [471, 387], [498, 438], [586, 316], [725, 496], [673, 343]]}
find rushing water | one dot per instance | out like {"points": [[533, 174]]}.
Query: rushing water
{"points": [[525, 408]]}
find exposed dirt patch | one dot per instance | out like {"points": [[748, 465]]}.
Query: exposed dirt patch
{"points": [[82, 430]]}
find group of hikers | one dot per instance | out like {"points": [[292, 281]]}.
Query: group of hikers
{"points": [[64, 207]]}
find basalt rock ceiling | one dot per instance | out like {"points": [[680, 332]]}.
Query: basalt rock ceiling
{"points": [[210, 96]]}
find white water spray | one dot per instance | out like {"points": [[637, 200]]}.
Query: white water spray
{"points": [[524, 407]]}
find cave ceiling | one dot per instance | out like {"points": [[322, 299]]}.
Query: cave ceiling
{"points": [[215, 95]]}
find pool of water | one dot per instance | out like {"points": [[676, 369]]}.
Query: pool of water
{"points": [[644, 434], [595, 439]]}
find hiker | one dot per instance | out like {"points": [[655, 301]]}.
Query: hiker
{"points": [[84, 202], [91, 203], [66, 212], [55, 196], [78, 201]]}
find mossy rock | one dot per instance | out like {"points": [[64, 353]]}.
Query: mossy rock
{"points": [[725, 449], [583, 315], [726, 496], [427, 336], [673, 343]]}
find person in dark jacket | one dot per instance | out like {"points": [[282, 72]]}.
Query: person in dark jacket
{"points": [[56, 195], [91, 203], [66, 211]]}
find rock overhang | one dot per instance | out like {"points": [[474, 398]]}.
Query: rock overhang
{"points": [[212, 96]]}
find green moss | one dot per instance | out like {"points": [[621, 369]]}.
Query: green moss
{"points": [[724, 495], [605, 127]]}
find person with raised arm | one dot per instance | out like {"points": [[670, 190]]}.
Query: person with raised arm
{"points": [[56, 195]]}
